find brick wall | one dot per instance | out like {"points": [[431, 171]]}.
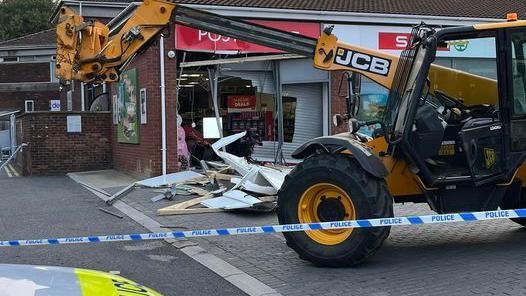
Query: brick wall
{"points": [[145, 159], [54, 151], [30, 74], [16, 100], [24, 72]]}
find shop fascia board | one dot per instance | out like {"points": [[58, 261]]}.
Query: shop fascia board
{"points": [[240, 60], [340, 17]]}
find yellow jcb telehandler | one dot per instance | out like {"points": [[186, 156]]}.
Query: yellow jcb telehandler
{"points": [[452, 136]]}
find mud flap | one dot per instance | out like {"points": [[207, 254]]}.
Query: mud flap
{"points": [[338, 143]]}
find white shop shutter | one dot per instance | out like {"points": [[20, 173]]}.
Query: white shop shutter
{"points": [[309, 119]]}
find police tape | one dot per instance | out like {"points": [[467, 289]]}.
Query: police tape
{"points": [[365, 223]]}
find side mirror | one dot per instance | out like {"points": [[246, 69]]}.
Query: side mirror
{"points": [[338, 120]]}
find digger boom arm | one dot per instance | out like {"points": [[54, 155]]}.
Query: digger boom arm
{"points": [[87, 52]]}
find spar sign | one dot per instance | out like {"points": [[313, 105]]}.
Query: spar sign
{"points": [[198, 40], [400, 41], [390, 40]]}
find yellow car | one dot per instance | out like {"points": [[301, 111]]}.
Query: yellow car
{"points": [[32, 280]]}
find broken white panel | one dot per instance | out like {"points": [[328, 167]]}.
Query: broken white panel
{"points": [[217, 165], [265, 190], [258, 175], [249, 176], [235, 180], [255, 188], [170, 179], [234, 199], [223, 142], [239, 164], [274, 177]]}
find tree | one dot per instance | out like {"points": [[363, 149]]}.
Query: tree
{"points": [[22, 17]]}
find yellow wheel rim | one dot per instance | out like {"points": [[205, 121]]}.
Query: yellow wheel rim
{"points": [[324, 202]]}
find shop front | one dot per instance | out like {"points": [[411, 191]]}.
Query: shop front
{"points": [[279, 99]]}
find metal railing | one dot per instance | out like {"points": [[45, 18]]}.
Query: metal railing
{"points": [[13, 155]]}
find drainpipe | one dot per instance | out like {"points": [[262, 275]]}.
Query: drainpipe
{"points": [[82, 101], [12, 132], [163, 104]]}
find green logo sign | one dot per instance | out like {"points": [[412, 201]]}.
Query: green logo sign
{"points": [[460, 45]]}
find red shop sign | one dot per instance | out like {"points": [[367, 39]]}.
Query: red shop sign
{"points": [[396, 41], [241, 102], [199, 40]]}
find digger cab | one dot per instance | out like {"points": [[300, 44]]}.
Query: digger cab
{"points": [[461, 126]]}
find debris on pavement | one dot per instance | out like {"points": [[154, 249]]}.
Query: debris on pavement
{"points": [[181, 189], [168, 194], [111, 213], [250, 186], [169, 179], [255, 179], [233, 199], [231, 184], [184, 207], [120, 194], [157, 182]]}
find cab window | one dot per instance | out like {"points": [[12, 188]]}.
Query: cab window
{"points": [[518, 69]]}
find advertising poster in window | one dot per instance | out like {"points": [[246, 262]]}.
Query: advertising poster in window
{"points": [[128, 127], [241, 103]]}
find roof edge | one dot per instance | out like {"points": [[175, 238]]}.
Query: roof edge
{"points": [[54, 15], [339, 16], [25, 36]]}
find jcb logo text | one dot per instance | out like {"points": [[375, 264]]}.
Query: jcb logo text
{"points": [[362, 61]]}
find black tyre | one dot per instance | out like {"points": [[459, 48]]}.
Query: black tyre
{"points": [[317, 190]]}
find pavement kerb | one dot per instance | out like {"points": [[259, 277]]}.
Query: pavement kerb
{"points": [[230, 273]]}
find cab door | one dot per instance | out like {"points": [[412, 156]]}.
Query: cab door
{"points": [[482, 141], [477, 79]]}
